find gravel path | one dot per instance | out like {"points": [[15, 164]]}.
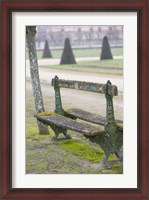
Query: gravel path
{"points": [[46, 75], [56, 61]]}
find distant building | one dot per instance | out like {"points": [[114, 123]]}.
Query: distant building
{"points": [[80, 36]]}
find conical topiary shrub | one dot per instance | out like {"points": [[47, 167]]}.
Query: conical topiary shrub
{"points": [[106, 51], [46, 51], [67, 55]]}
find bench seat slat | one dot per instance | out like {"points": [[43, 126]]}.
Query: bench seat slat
{"points": [[71, 124], [87, 116]]}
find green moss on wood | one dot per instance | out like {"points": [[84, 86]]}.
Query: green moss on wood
{"points": [[120, 125], [46, 113]]}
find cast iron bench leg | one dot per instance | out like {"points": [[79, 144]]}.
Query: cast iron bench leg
{"points": [[65, 134], [118, 155], [57, 130]]}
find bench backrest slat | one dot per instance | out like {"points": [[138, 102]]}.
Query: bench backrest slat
{"points": [[86, 86]]}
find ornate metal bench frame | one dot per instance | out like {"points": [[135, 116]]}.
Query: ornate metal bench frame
{"points": [[111, 139]]}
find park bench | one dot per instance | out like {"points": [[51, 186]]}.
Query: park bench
{"points": [[109, 133]]}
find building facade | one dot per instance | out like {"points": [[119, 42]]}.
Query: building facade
{"points": [[79, 36]]}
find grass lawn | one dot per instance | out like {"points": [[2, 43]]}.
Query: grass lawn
{"points": [[81, 53], [99, 66], [114, 66]]}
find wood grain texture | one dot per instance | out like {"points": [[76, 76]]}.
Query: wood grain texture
{"points": [[85, 86], [71, 124], [87, 116]]}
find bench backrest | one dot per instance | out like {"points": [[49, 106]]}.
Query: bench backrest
{"points": [[108, 89], [86, 86]]}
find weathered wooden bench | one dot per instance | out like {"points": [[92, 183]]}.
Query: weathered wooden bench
{"points": [[109, 133]]}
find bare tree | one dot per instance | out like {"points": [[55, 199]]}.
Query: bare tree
{"points": [[39, 106]]}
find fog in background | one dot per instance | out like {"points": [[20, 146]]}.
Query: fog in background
{"points": [[79, 36]]}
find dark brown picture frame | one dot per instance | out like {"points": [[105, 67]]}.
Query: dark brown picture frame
{"points": [[142, 9]]}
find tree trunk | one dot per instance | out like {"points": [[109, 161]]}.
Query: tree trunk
{"points": [[39, 106]]}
